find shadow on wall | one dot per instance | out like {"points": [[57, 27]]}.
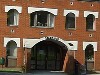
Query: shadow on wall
{"points": [[73, 67]]}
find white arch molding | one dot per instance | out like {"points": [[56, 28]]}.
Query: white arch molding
{"points": [[18, 8], [85, 44], [33, 9], [29, 43], [6, 40], [86, 13], [76, 12]]}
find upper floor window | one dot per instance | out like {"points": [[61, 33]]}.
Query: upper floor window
{"points": [[90, 22], [70, 21], [42, 19], [71, 18], [13, 14], [12, 17]]}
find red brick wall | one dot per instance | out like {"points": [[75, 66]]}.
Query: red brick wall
{"points": [[23, 30]]}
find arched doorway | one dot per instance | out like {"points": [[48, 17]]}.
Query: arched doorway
{"points": [[48, 55], [89, 57], [11, 54]]}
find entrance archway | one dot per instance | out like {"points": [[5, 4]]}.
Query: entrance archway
{"points": [[89, 57], [48, 55]]}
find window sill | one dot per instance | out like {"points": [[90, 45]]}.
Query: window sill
{"points": [[71, 29], [90, 30], [12, 57], [90, 60], [13, 25], [40, 27]]}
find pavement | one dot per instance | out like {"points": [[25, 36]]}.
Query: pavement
{"points": [[34, 73], [92, 74], [18, 71]]}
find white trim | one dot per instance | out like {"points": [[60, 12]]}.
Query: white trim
{"points": [[18, 8], [76, 12], [6, 40], [86, 13], [92, 43], [33, 9], [29, 43], [75, 45], [94, 60]]}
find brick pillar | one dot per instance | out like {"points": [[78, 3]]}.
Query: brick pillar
{"points": [[28, 57], [68, 63], [65, 61]]}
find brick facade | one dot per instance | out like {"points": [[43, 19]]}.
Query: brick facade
{"points": [[23, 30]]}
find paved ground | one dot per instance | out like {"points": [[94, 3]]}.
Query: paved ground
{"points": [[31, 74], [92, 74], [39, 73], [35, 73]]}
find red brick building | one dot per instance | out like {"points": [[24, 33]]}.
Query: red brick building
{"points": [[49, 34]]}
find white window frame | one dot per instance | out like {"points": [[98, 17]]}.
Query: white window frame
{"points": [[19, 10], [51, 10], [16, 18], [94, 26], [92, 43], [7, 39], [33, 9], [86, 13], [75, 23], [49, 24], [76, 12]]}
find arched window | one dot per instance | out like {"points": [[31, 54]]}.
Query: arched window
{"points": [[11, 49], [89, 52], [90, 22], [11, 54], [42, 19], [70, 21], [89, 57], [12, 17]]}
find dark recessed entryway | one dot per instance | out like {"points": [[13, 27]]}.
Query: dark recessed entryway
{"points": [[48, 55]]}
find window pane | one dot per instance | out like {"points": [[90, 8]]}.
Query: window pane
{"points": [[12, 17], [51, 20], [32, 18], [89, 54], [70, 20], [16, 16], [89, 21], [41, 18]]}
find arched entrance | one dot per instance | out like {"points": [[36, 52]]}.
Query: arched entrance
{"points": [[11, 54], [89, 57], [48, 55]]}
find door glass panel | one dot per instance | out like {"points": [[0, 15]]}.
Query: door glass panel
{"points": [[40, 59], [51, 58], [58, 62], [33, 58]]}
